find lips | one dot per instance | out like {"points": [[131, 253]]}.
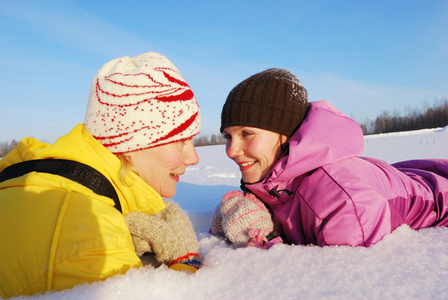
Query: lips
{"points": [[175, 176], [246, 165]]}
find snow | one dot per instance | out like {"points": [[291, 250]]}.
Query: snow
{"points": [[407, 264]]}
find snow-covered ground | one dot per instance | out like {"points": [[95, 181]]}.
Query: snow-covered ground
{"points": [[407, 264]]}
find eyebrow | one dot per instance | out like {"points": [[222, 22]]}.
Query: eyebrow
{"points": [[239, 128]]}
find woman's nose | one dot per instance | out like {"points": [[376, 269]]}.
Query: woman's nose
{"points": [[233, 149], [192, 157]]}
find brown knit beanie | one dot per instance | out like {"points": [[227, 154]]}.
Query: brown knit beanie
{"points": [[273, 100]]}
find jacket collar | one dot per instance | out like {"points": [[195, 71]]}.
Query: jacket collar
{"points": [[79, 145], [325, 136]]}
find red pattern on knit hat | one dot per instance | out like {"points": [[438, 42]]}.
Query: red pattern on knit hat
{"points": [[141, 103], [173, 133]]}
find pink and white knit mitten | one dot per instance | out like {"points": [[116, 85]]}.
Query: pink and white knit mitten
{"points": [[244, 221]]}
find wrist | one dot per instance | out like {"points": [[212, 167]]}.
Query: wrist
{"points": [[183, 267], [190, 259]]}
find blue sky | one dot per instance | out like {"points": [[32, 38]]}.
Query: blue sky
{"points": [[363, 56]]}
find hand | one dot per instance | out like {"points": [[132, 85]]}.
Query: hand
{"points": [[168, 234], [244, 220]]}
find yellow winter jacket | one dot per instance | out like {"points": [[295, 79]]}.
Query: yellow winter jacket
{"points": [[56, 233]]}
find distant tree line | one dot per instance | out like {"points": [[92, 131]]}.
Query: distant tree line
{"points": [[207, 140], [5, 147], [429, 116]]}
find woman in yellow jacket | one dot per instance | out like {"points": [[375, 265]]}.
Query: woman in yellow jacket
{"points": [[77, 221]]}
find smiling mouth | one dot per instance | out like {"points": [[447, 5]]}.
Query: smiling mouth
{"points": [[174, 175], [246, 164]]}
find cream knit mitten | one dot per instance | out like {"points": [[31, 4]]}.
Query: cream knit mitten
{"points": [[245, 221], [168, 234]]}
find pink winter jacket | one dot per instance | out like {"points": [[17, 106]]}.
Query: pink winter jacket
{"points": [[322, 192]]}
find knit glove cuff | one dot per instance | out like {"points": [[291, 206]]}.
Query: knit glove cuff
{"points": [[168, 234]]}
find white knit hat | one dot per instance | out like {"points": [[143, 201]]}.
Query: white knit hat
{"points": [[139, 103]]}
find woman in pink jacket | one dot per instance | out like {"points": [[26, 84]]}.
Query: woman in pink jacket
{"points": [[303, 161]]}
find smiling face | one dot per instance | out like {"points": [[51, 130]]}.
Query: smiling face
{"points": [[161, 166], [254, 150]]}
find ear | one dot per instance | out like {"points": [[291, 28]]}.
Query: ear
{"points": [[284, 142], [126, 159], [127, 156]]}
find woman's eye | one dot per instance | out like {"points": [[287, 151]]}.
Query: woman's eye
{"points": [[247, 133], [227, 136]]}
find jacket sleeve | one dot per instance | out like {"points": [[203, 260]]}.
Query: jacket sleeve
{"points": [[95, 243], [94, 265], [351, 214]]}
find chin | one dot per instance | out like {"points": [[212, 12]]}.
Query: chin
{"points": [[169, 194], [249, 180], [253, 179]]}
